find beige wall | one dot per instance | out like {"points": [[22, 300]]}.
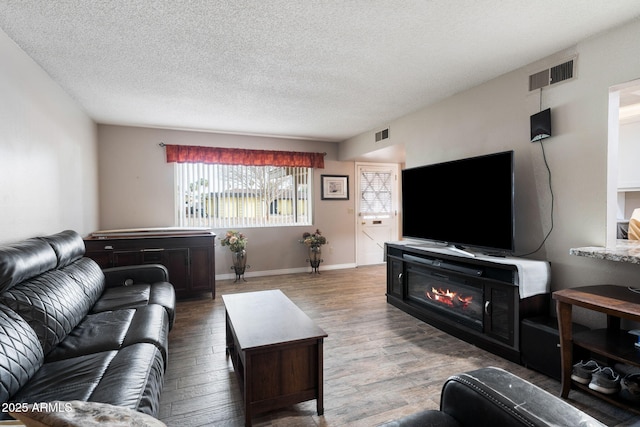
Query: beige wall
{"points": [[48, 174], [136, 190], [495, 116]]}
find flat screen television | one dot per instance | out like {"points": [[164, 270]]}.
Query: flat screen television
{"points": [[466, 203]]}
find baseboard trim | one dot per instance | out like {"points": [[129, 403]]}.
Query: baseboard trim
{"points": [[307, 269]]}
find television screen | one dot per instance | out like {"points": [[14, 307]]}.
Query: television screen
{"points": [[468, 202]]}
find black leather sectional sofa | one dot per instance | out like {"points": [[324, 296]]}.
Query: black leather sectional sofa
{"points": [[71, 331]]}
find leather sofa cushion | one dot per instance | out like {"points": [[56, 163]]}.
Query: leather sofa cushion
{"points": [[150, 325], [87, 273], [52, 303], [24, 260], [113, 377], [67, 245], [69, 379], [133, 379], [113, 330], [134, 296], [21, 353], [95, 334], [123, 297]]}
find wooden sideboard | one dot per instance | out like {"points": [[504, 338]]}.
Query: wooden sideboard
{"points": [[187, 254]]}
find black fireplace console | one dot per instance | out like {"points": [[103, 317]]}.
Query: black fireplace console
{"points": [[479, 299]]}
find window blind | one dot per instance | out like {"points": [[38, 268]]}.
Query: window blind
{"points": [[234, 196]]}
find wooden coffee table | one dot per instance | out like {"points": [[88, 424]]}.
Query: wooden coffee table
{"points": [[276, 351]]}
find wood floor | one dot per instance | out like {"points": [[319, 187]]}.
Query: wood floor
{"points": [[379, 362]]}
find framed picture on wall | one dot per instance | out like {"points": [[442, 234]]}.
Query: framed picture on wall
{"points": [[334, 187]]}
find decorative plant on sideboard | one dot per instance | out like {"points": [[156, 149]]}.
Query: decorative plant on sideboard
{"points": [[314, 242], [237, 242]]}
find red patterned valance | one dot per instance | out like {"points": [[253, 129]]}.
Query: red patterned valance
{"points": [[238, 156]]}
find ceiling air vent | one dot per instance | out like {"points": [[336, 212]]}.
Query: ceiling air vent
{"points": [[382, 135], [555, 74]]}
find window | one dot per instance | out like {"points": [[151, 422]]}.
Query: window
{"points": [[227, 196], [376, 194]]}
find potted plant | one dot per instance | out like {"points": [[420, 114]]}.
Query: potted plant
{"points": [[314, 242], [237, 242]]}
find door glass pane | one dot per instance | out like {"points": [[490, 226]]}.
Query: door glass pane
{"points": [[375, 194]]}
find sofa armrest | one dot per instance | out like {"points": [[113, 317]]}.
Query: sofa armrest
{"points": [[492, 396], [135, 274]]}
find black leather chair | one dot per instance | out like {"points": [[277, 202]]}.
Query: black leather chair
{"points": [[490, 397]]}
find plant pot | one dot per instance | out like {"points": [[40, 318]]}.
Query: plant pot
{"points": [[315, 258], [239, 260]]}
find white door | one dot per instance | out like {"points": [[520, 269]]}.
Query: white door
{"points": [[377, 210]]}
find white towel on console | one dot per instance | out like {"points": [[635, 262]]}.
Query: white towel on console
{"points": [[533, 276]]}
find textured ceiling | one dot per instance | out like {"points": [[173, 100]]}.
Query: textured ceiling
{"points": [[321, 69]]}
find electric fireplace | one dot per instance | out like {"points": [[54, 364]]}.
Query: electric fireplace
{"points": [[461, 302], [478, 299]]}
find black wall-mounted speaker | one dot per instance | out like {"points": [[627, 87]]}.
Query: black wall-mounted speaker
{"points": [[541, 125]]}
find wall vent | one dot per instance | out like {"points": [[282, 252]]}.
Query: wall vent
{"points": [[561, 72], [553, 75], [539, 80], [382, 135]]}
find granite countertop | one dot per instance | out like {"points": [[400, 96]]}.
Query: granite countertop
{"points": [[624, 251]]}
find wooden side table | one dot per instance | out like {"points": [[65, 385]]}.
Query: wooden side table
{"points": [[617, 302]]}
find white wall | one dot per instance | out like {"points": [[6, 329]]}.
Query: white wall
{"points": [[136, 190], [494, 117], [48, 174]]}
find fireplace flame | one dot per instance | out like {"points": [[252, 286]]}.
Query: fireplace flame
{"points": [[449, 298]]}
